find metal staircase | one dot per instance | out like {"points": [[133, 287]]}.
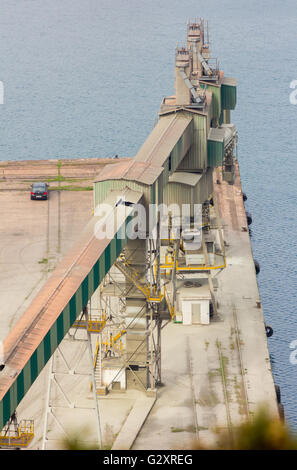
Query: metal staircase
{"points": [[112, 343], [133, 276]]}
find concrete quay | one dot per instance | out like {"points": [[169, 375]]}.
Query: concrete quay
{"points": [[35, 235], [219, 375], [214, 376]]}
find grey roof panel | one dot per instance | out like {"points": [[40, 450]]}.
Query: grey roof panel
{"points": [[163, 138], [141, 172], [229, 81], [190, 179]]}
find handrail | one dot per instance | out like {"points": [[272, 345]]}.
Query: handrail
{"points": [[20, 438], [170, 307], [114, 339], [200, 267], [93, 325]]}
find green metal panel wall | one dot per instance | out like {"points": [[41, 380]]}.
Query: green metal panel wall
{"points": [[221, 120], [196, 158], [153, 194], [215, 153], [57, 332], [166, 172], [177, 193], [204, 189], [215, 109], [228, 96], [157, 190], [102, 188], [181, 148], [225, 117]]}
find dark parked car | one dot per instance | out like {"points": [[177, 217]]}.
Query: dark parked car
{"points": [[39, 191]]}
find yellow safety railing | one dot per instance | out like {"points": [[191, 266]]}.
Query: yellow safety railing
{"points": [[107, 344], [19, 438], [170, 307], [111, 342], [136, 278], [94, 325], [139, 282], [200, 267], [96, 354]]}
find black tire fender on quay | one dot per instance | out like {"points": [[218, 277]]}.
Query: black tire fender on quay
{"points": [[257, 266], [249, 218], [278, 393], [269, 331]]}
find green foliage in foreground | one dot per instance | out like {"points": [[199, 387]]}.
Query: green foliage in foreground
{"points": [[260, 433]]}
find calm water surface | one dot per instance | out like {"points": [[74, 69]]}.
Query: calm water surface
{"points": [[85, 78]]}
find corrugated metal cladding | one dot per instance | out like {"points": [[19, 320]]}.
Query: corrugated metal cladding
{"points": [[191, 188], [196, 158], [228, 93], [225, 117], [204, 189], [14, 387], [180, 149], [228, 97], [157, 191], [169, 140], [140, 172], [215, 147], [176, 152], [167, 145], [102, 188], [215, 107], [215, 153], [178, 193]]}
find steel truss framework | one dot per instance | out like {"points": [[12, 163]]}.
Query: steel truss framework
{"points": [[142, 280], [138, 280], [128, 279], [54, 381]]}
